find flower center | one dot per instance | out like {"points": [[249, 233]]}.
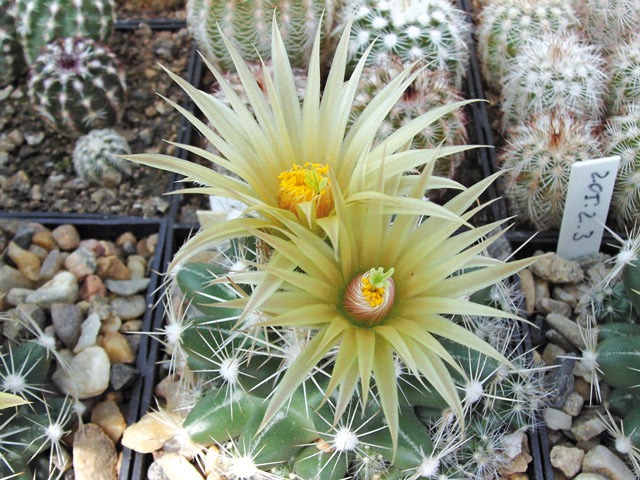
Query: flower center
{"points": [[306, 184], [369, 297]]}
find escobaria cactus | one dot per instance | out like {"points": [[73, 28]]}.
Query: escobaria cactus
{"points": [[429, 90], [12, 63], [608, 23], [39, 22], [624, 67], [505, 26], [248, 26], [554, 72], [95, 160], [433, 31], [77, 85], [537, 158], [622, 137]]}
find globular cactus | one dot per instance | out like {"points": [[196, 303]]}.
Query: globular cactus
{"points": [[505, 26], [537, 158], [433, 31], [554, 71], [248, 26], [94, 157], [77, 85], [12, 63], [608, 23], [622, 137], [624, 66], [40, 22], [431, 89]]}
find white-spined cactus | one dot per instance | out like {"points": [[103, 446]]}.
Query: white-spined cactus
{"points": [[624, 67], [430, 30], [248, 26], [608, 23], [39, 22], [95, 160], [12, 62], [431, 89], [537, 159], [504, 26], [77, 85], [622, 137], [554, 71]]}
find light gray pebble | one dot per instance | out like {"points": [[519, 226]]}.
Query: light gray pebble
{"points": [[122, 375], [81, 262], [128, 308], [567, 328], [603, 461], [88, 333], [556, 269], [567, 459], [12, 278], [556, 419], [588, 425], [549, 305], [51, 264], [127, 287], [62, 288], [565, 296], [573, 404]]}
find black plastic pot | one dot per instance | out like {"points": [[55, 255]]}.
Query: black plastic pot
{"points": [[109, 228]]}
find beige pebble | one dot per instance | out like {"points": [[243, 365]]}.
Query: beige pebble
{"points": [[107, 415], [151, 431], [28, 263], [527, 286], [66, 236], [137, 265], [112, 267], [177, 467], [117, 348], [44, 239], [94, 454]]}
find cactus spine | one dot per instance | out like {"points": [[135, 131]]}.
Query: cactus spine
{"points": [[537, 157], [430, 30], [505, 26], [77, 85], [430, 90], [554, 72], [12, 63], [94, 157], [39, 22], [622, 137], [248, 26]]}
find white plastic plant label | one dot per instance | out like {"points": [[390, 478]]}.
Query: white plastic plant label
{"points": [[585, 212]]}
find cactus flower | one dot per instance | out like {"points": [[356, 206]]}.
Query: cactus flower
{"points": [[383, 283]]}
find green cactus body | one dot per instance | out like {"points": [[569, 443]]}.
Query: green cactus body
{"points": [[624, 65], [619, 361], [77, 85], [505, 26], [248, 26], [40, 22], [430, 90], [537, 159], [12, 63], [631, 282], [94, 157], [433, 31], [554, 71], [622, 137]]}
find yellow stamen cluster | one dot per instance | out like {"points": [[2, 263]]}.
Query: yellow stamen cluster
{"points": [[308, 183], [372, 294], [369, 297]]}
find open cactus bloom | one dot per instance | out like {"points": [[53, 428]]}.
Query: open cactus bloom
{"points": [[381, 282], [270, 140]]}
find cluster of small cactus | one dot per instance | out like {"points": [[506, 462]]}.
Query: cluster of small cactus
{"points": [[608, 23], [612, 349], [624, 65], [12, 63], [77, 85], [305, 441], [32, 434], [248, 26], [432, 31], [431, 89], [551, 73], [537, 160], [505, 26], [95, 157], [40, 22]]}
